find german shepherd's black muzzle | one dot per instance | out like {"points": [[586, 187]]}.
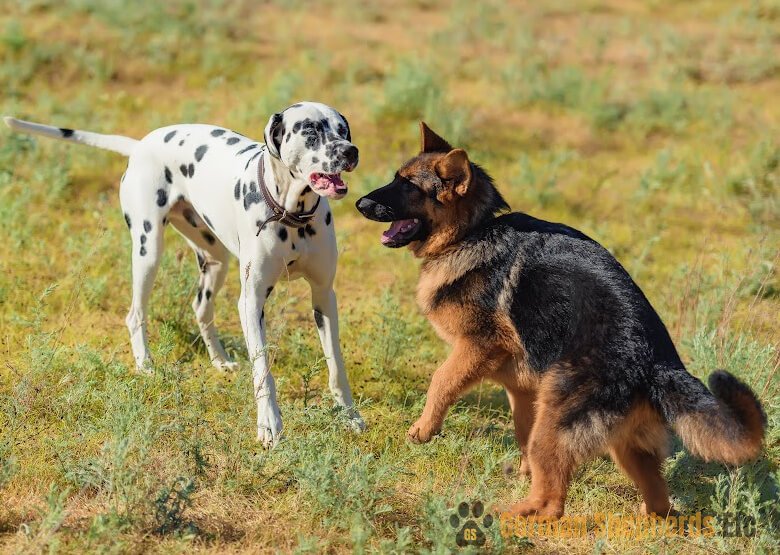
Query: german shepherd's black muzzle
{"points": [[395, 202]]}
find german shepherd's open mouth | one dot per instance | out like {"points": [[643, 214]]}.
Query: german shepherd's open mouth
{"points": [[401, 232], [388, 204]]}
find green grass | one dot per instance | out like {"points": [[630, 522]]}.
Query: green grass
{"points": [[651, 126]]}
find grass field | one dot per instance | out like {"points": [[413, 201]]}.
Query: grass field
{"points": [[652, 126]]}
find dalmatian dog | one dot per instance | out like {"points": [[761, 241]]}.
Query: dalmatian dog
{"points": [[266, 204]]}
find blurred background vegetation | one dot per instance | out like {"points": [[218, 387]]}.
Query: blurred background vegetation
{"points": [[651, 125]]}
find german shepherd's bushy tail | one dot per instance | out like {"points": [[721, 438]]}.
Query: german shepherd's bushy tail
{"points": [[725, 423]]}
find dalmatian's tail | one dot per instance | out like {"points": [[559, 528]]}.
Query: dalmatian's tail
{"points": [[117, 143]]}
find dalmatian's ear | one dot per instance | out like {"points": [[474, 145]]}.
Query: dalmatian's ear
{"points": [[349, 133], [274, 132]]}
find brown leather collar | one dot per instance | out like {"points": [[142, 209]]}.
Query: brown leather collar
{"points": [[279, 213]]}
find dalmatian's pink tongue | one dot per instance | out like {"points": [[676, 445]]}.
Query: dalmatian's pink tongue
{"points": [[329, 183], [398, 229]]}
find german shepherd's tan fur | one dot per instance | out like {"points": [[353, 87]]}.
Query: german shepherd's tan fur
{"points": [[549, 314]]}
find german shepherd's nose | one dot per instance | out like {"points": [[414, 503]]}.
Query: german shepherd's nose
{"points": [[373, 210]]}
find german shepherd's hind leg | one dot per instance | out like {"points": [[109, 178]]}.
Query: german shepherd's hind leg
{"points": [[522, 405], [467, 364], [556, 447], [644, 468], [638, 446]]}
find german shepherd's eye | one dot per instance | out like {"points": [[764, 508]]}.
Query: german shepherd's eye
{"points": [[408, 185]]}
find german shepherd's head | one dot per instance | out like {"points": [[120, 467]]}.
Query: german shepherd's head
{"points": [[435, 199]]}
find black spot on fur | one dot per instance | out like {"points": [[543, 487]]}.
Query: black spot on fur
{"points": [[200, 294], [217, 132], [66, 132], [246, 149], [301, 233], [232, 140], [312, 132], [147, 226], [209, 238], [200, 152], [293, 248], [287, 138], [296, 127], [127, 221], [283, 234], [190, 217], [168, 175], [237, 190], [315, 160], [143, 239], [142, 252], [252, 186], [208, 294], [330, 150], [268, 291], [310, 230], [191, 169], [318, 319], [181, 142], [255, 155], [162, 197], [183, 170], [327, 218], [250, 199], [201, 261], [170, 136]]}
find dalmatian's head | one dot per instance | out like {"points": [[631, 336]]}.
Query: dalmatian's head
{"points": [[314, 142]]}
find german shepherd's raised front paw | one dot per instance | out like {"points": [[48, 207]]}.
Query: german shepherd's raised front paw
{"points": [[422, 431]]}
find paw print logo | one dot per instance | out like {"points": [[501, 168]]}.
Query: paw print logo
{"points": [[469, 532]]}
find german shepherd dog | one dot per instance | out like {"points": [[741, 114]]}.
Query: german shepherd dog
{"points": [[549, 314]]}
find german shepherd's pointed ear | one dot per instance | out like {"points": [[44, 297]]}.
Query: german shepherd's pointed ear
{"points": [[430, 141], [454, 170]]}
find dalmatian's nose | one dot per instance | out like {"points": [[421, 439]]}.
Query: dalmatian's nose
{"points": [[351, 155]]}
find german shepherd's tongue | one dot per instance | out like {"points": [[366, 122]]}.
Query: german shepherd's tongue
{"points": [[398, 229]]}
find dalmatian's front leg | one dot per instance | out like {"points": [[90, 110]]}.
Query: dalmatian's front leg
{"points": [[327, 320], [257, 276]]}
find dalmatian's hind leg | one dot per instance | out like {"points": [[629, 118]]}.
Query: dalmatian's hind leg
{"points": [[144, 200], [213, 258], [213, 266]]}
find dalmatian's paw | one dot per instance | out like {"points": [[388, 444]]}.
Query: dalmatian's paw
{"points": [[269, 427], [145, 367], [225, 365], [356, 422]]}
